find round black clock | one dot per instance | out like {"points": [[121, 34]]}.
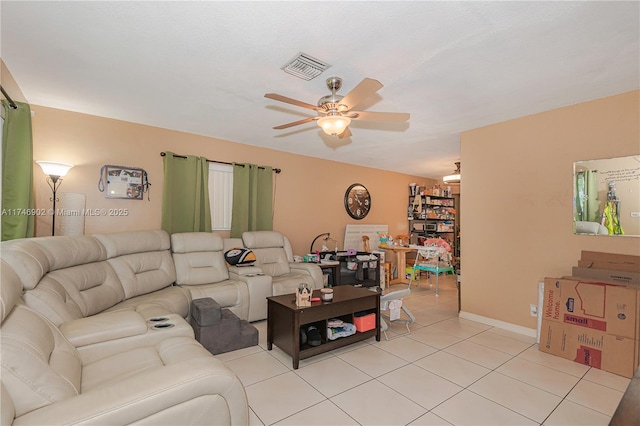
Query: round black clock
{"points": [[357, 201]]}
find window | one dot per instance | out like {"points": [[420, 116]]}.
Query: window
{"points": [[220, 195]]}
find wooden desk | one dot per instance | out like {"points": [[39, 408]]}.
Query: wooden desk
{"points": [[401, 262]]}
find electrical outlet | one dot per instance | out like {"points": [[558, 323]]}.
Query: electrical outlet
{"points": [[533, 310]]}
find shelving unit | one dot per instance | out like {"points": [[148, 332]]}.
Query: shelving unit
{"points": [[434, 216]]}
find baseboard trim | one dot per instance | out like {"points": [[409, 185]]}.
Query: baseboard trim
{"points": [[531, 332]]}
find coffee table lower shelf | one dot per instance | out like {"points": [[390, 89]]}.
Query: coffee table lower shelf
{"points": [[284, 320], [330, 345]]}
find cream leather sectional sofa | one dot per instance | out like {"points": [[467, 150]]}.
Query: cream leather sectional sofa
{"points": [[95, 329]]}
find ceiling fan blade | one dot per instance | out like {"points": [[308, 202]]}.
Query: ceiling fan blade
{"points": [[295, 123], [362, 91], [281, 98], [378, 116], [345, 134]]}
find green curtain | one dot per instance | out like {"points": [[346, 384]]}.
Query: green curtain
{"points": [[17, 173], [252, 199], [185, 195]]}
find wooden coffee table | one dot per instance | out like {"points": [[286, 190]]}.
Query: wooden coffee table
{"points": [[284, 320]]}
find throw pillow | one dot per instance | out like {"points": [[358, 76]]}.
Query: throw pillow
{"points": [[240, 257]]}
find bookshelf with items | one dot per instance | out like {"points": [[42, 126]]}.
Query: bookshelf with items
{"points": [[432, 214]]}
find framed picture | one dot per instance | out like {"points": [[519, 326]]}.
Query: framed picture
{"points": [[124, 182]]}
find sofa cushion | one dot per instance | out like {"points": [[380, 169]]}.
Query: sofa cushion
{"points": [[122, 243], [198, 258], [191, 242], [118, 367], [145, 272], [268, 247], [173, 299], [27, 259], [141, 260], [39, 366], [10, 290], [262, 239], [76, 292]]}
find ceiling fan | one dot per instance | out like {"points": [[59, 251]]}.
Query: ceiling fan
{"points": [[335, 111]]}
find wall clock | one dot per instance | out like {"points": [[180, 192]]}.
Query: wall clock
{"points": [[357, 201]]}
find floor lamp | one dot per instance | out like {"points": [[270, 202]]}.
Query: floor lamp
{"points": [[54, 172]]}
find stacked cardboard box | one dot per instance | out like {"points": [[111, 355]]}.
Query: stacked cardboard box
{"points": [[592, 320], [609, 268]]}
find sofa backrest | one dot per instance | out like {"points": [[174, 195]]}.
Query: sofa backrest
{"points": [[198, 258], [10, 290], [269, 248], [39, 366], [65, 277], [141, 260], [231, 243]]}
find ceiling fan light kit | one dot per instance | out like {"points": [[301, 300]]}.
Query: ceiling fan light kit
{"points": [[334, 124], [335, 111], [455, 177]]}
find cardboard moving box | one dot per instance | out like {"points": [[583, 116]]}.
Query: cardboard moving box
{"points": [[608, 308], [610, 267], [612, 261], [618, 355], [631, 279]]}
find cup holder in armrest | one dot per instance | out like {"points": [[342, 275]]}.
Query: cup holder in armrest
{"points": [[158, 319], [163, 325]]}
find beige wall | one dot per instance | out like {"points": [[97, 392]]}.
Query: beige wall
{"points": [[517, 197], [309, 191]]}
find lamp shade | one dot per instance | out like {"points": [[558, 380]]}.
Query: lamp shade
{"points": [[52, 168], [334, 124]]}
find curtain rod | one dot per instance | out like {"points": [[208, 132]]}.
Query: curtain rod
{"points": [[11, 103], [163, 154]]}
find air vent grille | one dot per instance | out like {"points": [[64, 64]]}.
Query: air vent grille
{"points": [[305, 67]]}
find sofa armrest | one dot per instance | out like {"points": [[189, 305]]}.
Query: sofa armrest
{"points": [[181, 393], [238, 271], [260, 287], [310, 268], [103, 327]]}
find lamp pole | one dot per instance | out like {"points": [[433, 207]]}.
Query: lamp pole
{"points": [[54, 182], [54, 172]]}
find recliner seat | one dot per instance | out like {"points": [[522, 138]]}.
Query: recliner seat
{"points": [[274, 258]]}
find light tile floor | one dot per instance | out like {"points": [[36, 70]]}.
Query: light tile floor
{"points": [[448, 371]]}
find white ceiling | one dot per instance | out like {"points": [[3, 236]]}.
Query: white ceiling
{"points": [[204, 67]]}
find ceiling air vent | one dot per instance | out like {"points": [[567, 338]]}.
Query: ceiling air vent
{"points": [[304, 66]]}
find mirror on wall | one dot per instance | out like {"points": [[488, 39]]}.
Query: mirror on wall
{"points": [[606, 197]]}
